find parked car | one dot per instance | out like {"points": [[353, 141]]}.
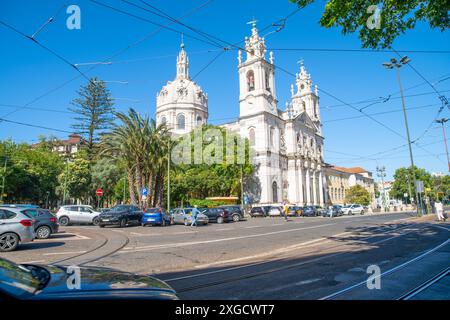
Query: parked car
{"points": [[50, 282], [184, 216], [294, 211], [234, 211], [120, 215], [15, 228], [320, 211], [309, 211], [219, 215], [77, 214], [333, 211], [352, 209], [45, 224], [156, 216], [275, 211], [260, 211]]}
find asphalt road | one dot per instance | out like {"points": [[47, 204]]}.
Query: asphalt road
{"points": [[264, 258]]}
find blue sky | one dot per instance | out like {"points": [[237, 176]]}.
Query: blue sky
{"points": [[28, 72]]}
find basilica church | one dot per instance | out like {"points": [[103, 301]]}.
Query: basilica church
{"points": [[287, 144]]}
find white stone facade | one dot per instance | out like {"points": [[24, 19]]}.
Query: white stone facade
{"points": [[288, 145]]}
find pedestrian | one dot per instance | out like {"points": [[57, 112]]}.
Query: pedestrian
{"points": [[194, 216], [285, 211], [330, 211], [432, 204], [440, 211]]}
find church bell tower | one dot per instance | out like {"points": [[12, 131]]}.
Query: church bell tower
{"points": [[256, 77]]}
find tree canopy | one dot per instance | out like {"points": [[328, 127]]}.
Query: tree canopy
{"points": [[358, 194], [379, 29]]}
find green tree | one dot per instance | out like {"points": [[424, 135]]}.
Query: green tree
{"points": [[76, 178], [396, 17], [358, 194], [94, 112], [105, 175], [31, 173], [440, 187], [403, 181]]}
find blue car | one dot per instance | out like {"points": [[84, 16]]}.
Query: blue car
{"points": [[156, 216]]}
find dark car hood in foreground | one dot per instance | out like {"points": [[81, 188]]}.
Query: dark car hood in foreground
{"points": [[103, 283]]}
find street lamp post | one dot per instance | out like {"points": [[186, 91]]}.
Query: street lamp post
{"points": [[398, 64], [442, 121], [168, 175], [381, 172]]}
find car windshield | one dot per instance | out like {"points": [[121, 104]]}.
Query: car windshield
{"points": [[118, 208], [17, 280]]}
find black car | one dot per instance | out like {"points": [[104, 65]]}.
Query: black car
{"points": [[219, 215], [50, 282], [234, 211], [45, 224], [120, 215], [259, 211], [309, 211]]}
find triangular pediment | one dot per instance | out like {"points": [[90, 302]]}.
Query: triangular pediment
{"points": [[306, 120]]}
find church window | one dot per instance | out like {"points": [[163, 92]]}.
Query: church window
{"points": [[267, 80], [199, 120], [274, 191], [272, 136], [250, 81], [251, 136], [181, 121]]}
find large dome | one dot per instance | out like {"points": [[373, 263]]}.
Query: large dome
{"points": [[181, 103]]}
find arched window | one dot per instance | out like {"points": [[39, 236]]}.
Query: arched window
{"points": [[251, 136], [199, 120], [275, 191], [267, 80], [181, 121], [163, 120], [250, 81], [272, 136]]}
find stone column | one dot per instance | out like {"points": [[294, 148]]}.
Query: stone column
{"points": [[321, 192], [300, 183], [308, 186], [314, 187]]}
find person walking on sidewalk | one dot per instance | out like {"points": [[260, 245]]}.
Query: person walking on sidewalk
{"points": [[194, 216], [285, 211], [440, 211]]}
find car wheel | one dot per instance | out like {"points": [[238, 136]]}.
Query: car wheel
{"points": [[8, 242], [43, 232], [349, 213], [236, 218], [123, 223], [220, 219], [95, 221], [64, 221]]}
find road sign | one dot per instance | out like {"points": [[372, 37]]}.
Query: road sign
{"points": [[419, 186], [99, 192], [144, 191]]}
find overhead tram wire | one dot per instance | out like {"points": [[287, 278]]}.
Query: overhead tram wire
{"points": [[118, 53], [361, 50], [324, 91], [44, 47], [154, 23], [36, 126]]}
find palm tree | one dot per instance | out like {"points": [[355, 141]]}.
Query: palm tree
{"points": [[140, 144]]}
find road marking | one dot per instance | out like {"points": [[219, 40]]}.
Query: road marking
{"points": [[225, 229], [390, 270], [296, 284], [251, 227], [264, 262], [173, 245], [74, 238], [61, 253]]}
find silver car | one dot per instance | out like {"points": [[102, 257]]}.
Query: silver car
{"points": [[15, 227], [184, 216], [78, 214]]}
